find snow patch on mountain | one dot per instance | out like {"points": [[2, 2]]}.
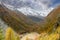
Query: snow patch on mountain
{"points": [[9, 6], [29, 11]]}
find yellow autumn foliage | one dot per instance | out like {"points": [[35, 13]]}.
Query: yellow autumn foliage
{"points": [[46, 36], [17, 37], [9, 34], [58, 29], [49, 37]]}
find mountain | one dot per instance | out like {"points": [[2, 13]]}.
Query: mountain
{"points": [[54, 15], [33, 9], [18, 21], [32, 15], [22, 24], [34, 12], [53, 19], [29, 7]]}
